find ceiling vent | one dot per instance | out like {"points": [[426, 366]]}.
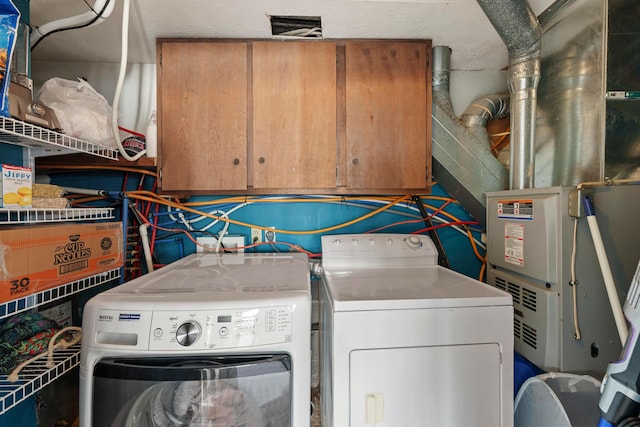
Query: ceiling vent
{"points": [[296, 26]]}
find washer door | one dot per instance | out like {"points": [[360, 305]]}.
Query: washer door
{"points": [[219, 391]]}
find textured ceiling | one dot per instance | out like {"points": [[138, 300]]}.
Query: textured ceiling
{"points": [[459, 24]]}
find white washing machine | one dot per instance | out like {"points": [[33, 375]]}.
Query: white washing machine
{"points": [[212, 339], [408, 343]]}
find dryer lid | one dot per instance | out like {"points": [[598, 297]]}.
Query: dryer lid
{"points": [[393, 288]]}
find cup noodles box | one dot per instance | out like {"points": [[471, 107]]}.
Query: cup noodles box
{"points": [[15, 187], [36, 258]]}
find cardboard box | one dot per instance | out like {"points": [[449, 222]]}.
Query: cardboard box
{"points": [[33, 259], [16, 187], [61, 313]]}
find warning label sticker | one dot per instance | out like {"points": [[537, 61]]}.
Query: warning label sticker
{"points": [[514, 243], [516, 209]]}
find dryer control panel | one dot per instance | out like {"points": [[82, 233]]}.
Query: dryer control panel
{"points": [[197, 329], [378, 250]]}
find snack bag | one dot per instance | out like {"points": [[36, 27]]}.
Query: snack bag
{"points": [[9, 18]]}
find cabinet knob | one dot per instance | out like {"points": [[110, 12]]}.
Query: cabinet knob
{"points": [[236, 161], [261, 160], [355, 161]]}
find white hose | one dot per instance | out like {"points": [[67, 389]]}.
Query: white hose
{"points": [[144, 236], [121, 75]]}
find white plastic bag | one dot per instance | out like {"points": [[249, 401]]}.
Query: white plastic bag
{"points": [[82, 112]]}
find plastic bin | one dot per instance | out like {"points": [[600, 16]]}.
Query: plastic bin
{"points": [[558, 400]]}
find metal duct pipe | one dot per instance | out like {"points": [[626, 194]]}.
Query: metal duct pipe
{"points": [[440, 78], [462, 160], [520, 30], [484, 109], [478, 114], [441, 68]]}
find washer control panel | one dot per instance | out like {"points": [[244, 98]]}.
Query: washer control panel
{"points": [[170, 330], [219, 329]]}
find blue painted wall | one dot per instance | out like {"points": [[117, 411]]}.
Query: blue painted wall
{"points": [[172, 242], [11, 155]]}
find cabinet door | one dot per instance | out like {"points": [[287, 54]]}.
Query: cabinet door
{"points": [[202, 129], [294, 115], [388, 115]]}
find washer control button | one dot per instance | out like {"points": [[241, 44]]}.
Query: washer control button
{"points": [[158, 332], [413, 242], [188, 333], [224, 331]]}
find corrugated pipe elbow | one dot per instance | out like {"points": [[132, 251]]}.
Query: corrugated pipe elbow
{"points": [[484, 109]]}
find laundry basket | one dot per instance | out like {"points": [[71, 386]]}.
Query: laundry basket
{"points": [[558, 400]]}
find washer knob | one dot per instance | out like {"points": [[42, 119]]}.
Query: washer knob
{"points": [[413, 242], [187, 333]]}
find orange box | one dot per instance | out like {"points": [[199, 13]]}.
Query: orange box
{"points": [[36, 258]]}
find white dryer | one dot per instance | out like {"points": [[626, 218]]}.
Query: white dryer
{"points": [[408, 343], [212, 339]]}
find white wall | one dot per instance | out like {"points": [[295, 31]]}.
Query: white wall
{"points": [[467, 86]]}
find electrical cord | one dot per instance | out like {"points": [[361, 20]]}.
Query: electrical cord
{"points": [[246, 201], [574, 281], [443, 260], [190, 222], [482, 259], [143, 195], [157, 200], [75, 27], [303, 32], [456, 221], [242, 201], [355, 201], [96, 167]]}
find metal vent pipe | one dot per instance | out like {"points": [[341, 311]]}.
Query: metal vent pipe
{"points": [[520, 30], [462, 159]]}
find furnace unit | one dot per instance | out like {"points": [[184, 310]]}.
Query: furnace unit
{"points": [[530, 246]]}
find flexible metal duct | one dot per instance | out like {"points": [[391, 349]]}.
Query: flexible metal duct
{"points": [[484, 109], [518, 27]]}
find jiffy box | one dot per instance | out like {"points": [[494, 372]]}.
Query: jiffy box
{"points": [[33, 259], [15, 187]]}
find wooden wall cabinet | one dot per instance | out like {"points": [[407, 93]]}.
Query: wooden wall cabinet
{"points": [[202, 116], [294, 116]]}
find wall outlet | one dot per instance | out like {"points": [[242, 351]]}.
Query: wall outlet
{"points": [[270, 235], [256, 236], [229, 242]]}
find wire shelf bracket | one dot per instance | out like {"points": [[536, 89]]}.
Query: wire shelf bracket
{"points": [[36, 376], [38, 215], [12, 307], [45, 142]]}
